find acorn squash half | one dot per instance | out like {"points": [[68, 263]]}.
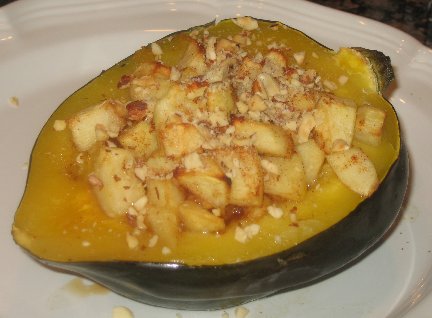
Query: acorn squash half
{"points": [[307, 234]]}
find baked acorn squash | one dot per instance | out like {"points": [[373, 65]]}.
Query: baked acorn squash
{"points": [[218, 165]]}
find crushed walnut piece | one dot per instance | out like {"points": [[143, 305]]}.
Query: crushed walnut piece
{"points": [[122, 312], [14, 101]]}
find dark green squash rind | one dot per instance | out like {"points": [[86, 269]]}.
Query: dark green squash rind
{"points": [[212, 287], [381, 65]]}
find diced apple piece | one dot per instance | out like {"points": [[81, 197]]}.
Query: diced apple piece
{"points": [[117, 187], [141, 139], [97, 123], [208, 183], [268, 139], [220, 97], [355, 170], [335, 119], [290, 181], [243, 166], [168, 108], [312, 157], [193, 57], [197, 219], [164, 222], [164, 193], [369, 125], [180, 139]]}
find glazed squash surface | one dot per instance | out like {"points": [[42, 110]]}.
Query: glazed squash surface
{"points": [[59, 218]]}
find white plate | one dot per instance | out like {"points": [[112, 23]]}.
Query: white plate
{"points": [[49, 48]]}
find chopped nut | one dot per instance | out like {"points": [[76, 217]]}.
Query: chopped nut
{"points": [[156, 49], [166, 250], [330, 85], [299, 57], [343, 79], [242, 107], [132, 241], [131, 211], [137, 110], [339, 145], [79, 158], [241, 312], [110, 144], [275, 211], [153, 241], [14, 101], [244, 234], [122, 312], [230, 130], [141, 172], [240, 235], [85, 243], [293, 217], [210, 51], [246, 23], [216, 212], [175, 74], [95, 181], [306, 125], [192, 161], [59, 125], [124, 81], [140, 222], [141, 203], [252, 230]]}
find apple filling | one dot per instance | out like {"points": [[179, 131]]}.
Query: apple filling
{"points": [[225, 135]]}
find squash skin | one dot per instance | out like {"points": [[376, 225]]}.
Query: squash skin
{"points": [[381, 66], [208, 287]]}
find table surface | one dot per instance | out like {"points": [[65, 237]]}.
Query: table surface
{"points": [[411, 16]]}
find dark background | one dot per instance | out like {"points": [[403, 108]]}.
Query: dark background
{"points": [[411, 16]]}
